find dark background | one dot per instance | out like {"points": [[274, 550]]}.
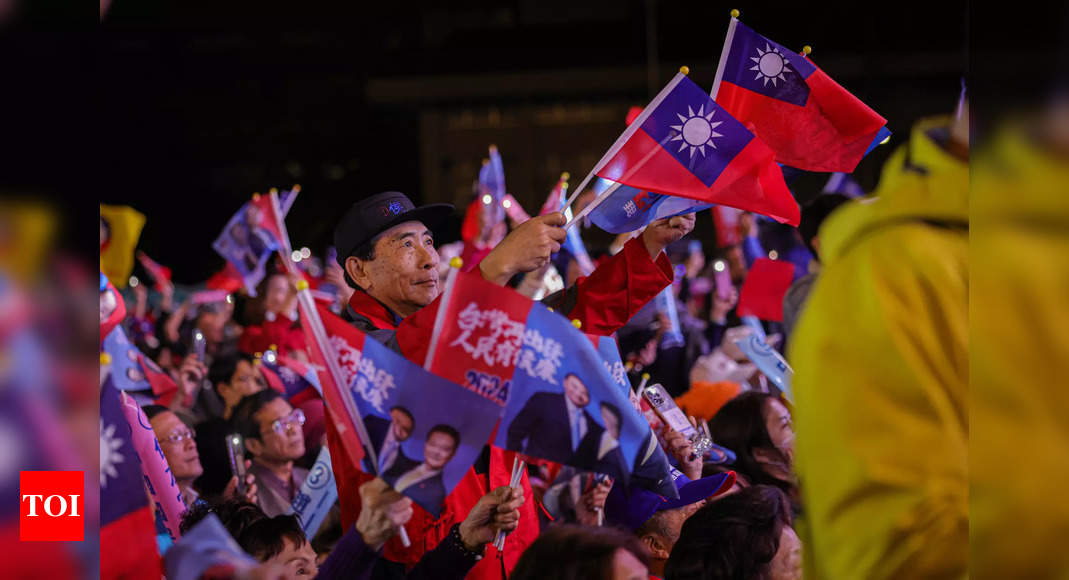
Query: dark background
{"points": [[190, 120]]}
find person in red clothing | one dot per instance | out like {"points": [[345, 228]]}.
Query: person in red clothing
{"points": [[386, 248], [278, 324]]}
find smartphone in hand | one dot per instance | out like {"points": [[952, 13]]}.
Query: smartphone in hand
{"points": [[235, 450], [199, 344]]}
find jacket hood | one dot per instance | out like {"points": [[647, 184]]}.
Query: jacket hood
{"points": [[921, 181]]}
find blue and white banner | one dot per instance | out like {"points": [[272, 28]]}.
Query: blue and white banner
{"points": [[769, 361], [317, 494], [628, 209]]}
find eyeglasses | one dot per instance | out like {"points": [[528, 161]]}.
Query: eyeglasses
{"points": [[179, 436], [280, 426]]}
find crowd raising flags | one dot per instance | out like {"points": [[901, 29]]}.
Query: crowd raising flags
{"points": [[503, 379]]}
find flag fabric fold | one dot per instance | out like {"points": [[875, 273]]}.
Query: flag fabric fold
{"points": [[683, 144], [763, 289], [127, 531], [120, 229], [809, 120]]}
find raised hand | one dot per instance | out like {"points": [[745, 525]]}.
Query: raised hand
{"points": [[527, 248]]}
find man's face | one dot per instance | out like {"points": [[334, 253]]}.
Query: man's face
{"points": [[401, 424], [404, 273], [439, 450], [181, 456], [246, 380], [576, 391], [612, 422], [298, 561], [285, 446]]}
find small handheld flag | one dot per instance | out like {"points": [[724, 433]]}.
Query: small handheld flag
{"points": [[683, 144], [808, 119]]}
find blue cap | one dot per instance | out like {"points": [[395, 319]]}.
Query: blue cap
{"points": [[634, 510]]}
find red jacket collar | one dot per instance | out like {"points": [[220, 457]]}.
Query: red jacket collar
{"points": [[382, 317]]}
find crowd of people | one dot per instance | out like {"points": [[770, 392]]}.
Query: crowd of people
{"points": [[841, 496]]}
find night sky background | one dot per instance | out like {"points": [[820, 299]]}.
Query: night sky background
{"points": [[191, 119]]}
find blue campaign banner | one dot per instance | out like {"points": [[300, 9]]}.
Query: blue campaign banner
{"points": [[426, 431], [628, 209], [770, 362], [610, 355], [569, 409], [666, 304], [317, 494]]}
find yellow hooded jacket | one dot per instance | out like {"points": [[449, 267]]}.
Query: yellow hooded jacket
{"points": [[881, 376]]}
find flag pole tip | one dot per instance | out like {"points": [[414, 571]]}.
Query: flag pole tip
{"points": [[486, 161], [493, 147], [273, 347], [105, 358], [807, 49], [296, 187], [256, 196], [273, 191], [645, 376], [577, 323], [734, 13], [257, 355], [456, 262], [550, 309], [565, 176], [685, 70], [302, 285]]}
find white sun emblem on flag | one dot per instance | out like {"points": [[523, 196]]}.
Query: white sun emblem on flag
{"points": [[696, 130], [109, 453], [770, 65]]}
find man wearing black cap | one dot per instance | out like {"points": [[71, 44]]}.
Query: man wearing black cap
{"points": [[386, 249]]}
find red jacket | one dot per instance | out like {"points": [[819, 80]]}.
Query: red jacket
{"points": [[282, 332], [603, 301]]}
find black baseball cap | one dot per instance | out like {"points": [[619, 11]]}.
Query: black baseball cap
{"points": [[370, 217]]}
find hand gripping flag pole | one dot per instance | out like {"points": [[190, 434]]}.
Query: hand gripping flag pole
{"points": [[311, 317]]}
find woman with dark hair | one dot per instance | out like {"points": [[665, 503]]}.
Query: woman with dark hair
{"points": [[757, 427], [744, 536], [569, 552]]}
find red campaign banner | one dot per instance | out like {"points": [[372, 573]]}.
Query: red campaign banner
{"points": [[348, 343], [475, 345], [763, 290]]}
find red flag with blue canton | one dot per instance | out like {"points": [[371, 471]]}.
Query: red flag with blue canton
{"points": [[684, 144], [127, 529], [810, 121]]}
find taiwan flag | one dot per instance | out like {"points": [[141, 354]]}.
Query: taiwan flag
{"points": [[683, 144], [127, 529], [810, 121], [492, 183], [297, 381]]}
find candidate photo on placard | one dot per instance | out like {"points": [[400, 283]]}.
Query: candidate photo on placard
{"points": [[426, 431], [568, 409], [246, 245]]}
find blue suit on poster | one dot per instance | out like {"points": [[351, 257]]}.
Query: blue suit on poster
{"points": [[557, 402], [545, 427]]}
